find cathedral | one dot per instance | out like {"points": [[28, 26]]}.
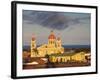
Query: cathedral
{"points": [[53, 46]]}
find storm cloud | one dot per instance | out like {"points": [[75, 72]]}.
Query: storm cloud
{"points": [[54, 20]]}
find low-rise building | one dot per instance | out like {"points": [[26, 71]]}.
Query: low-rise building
{"points": [[68, 57]]}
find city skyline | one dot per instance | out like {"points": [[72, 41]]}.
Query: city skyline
{"points": [[73, 28]]}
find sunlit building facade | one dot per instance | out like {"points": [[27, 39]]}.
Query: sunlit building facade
{"points": [[53, 46]]}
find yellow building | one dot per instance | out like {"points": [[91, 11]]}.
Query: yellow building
{"points": [[53, 46], [33, 47], [68, 57], [79, 57]]}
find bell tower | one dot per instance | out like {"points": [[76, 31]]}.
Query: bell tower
{"points": [[58, 42], [33, 46]]}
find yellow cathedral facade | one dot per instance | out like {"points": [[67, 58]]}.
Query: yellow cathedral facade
{"points": [[53, 46]]}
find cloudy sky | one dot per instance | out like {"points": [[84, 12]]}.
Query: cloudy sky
{"points": [[73, 28]]}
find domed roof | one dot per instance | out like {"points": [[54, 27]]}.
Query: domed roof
{"points": [[58, 38], [52, 36], [33, 38]]}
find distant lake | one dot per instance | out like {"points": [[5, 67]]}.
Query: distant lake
{"points": [[26, 47], [76, 46]]}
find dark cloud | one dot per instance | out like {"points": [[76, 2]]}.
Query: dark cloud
{"points": [[53, 20]]}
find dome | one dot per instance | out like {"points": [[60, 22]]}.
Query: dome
{"points": [[33, 38], [58, 38], [52, 36]]}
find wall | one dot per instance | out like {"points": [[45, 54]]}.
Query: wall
{"points": [[5, 40]]}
